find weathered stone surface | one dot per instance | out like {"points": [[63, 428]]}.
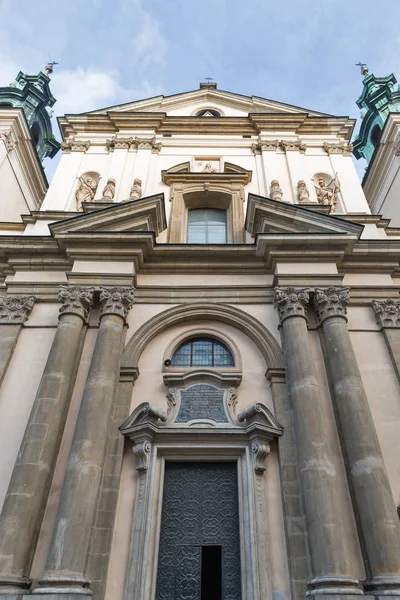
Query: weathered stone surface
{"points": [[331, 301], [291, 302], [15, 309], [387, 312]]}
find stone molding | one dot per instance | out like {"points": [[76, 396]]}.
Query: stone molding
{"points": [[130, 142], [116, 301], [74, 145], [15, 309], [342, 148], [76, 300], [331, 302], [387, 312], [291, 302]]}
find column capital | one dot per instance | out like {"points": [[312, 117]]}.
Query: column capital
{"points": [[75, 300], [116, 301], [291, 302], [331, 302], [15, 309], [387, 312]]}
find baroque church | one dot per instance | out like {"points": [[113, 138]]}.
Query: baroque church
{"points": [[199, 351]]}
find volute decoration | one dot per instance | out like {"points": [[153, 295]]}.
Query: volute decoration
{"points": [[142, 451], [116, 301], [137, 142], [74, 145], [15, 309], [296, 145], [8, 140], [260, 452], [291, 302], [331, 302], [76, 300], [342, 148], [387, 312], [268, 146]]}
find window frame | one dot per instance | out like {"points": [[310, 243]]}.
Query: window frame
{"points": [[207, 209], [214, 342]]}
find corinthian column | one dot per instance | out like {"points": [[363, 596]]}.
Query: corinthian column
{"points": [[30, 483], [14, 310], [387, 315], [65, 568], [323, 498], [373, 496]]}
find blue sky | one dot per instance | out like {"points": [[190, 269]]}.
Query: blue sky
{"points": [[298, 51]]}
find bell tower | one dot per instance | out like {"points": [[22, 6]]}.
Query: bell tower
{"points": [[32, 94]]}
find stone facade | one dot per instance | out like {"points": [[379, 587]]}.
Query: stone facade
{"points": [[98, 302]]}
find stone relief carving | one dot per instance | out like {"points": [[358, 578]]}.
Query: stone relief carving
{"points": [[136, 189], [260, 452], [142, 452], [109, 189], [208, 169], [116, 301], [86, 191], [15, 309], [331, 302], [232, 400], [327, 192], [276, 191], [119, 143], [74, 145], [171, 399], [76, 300], [342, 148], [130, 142], [303, 195], [290, 301], [387, 312], [8, 140], [296, 145]]}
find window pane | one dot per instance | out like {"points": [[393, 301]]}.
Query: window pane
{"points": [[182, 357], [197, 216], [197, 234], [206, 226], [216, 216], [222, 356], [216, 234], [202, 353]]}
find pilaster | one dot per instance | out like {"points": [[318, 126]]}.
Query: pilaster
{"points": [[14, 311]]}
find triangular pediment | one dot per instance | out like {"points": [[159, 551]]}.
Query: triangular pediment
{"points": [[145, 214], [270, 216], [208, 100]]}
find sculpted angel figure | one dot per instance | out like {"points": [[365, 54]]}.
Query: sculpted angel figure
{"points": [[86, 191], [136, 189], [276, 191], [326, 192], [303, 195], [208, 169], [109, 189]]}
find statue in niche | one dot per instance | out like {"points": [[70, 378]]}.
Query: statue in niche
{"points": [[276, 190], [303, 195], [208, 169], [86, 191], [136, 189], [109, 189], [327, 192]]}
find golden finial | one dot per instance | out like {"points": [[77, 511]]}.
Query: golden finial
{"points": [[49, 67], [363, 68]]}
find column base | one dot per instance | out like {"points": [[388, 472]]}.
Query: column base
{"points": [[333, 586], [385, 585], [12, 585], [71, 587]]}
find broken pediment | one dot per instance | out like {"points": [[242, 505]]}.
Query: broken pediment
{"points": [[271, 216], [145, 214]]}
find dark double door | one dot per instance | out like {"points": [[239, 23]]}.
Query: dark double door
{"points": [[199, 554]]}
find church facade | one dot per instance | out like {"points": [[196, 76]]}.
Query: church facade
{"points": [[199, 358]]}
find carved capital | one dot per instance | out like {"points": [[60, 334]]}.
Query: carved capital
{"points": [[265, 146], [297, 145], [116, 301], [15, 309], [75, 300], [147, 144], [260, 452], [387, 312], [331, 302], [74, 145], [342, 148], [8, 140], [290, 302], [142, 451]]}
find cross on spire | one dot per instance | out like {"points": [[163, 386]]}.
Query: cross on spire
{"points": [[363, 68]]}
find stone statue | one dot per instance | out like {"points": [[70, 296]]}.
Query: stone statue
{"points": [[86, 191], [136, 189], [276, 191], [109, 189], [303, 195], [208, 169], [327, 192]]}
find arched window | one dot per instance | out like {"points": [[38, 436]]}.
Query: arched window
{"points": [[202, 352], [375, 134], [206, 226], [35, 132]]}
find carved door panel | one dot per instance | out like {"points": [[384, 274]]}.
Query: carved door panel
{"points": [[200, 509]]}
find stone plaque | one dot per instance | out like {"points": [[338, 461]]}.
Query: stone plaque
{"points": [[202, 402]]}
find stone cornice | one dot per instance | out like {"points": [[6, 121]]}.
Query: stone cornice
{"points": [[75, 145], [15, 309], [291, 302], [387, 312], [116, 301], [75, 300], [331, 302]]}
